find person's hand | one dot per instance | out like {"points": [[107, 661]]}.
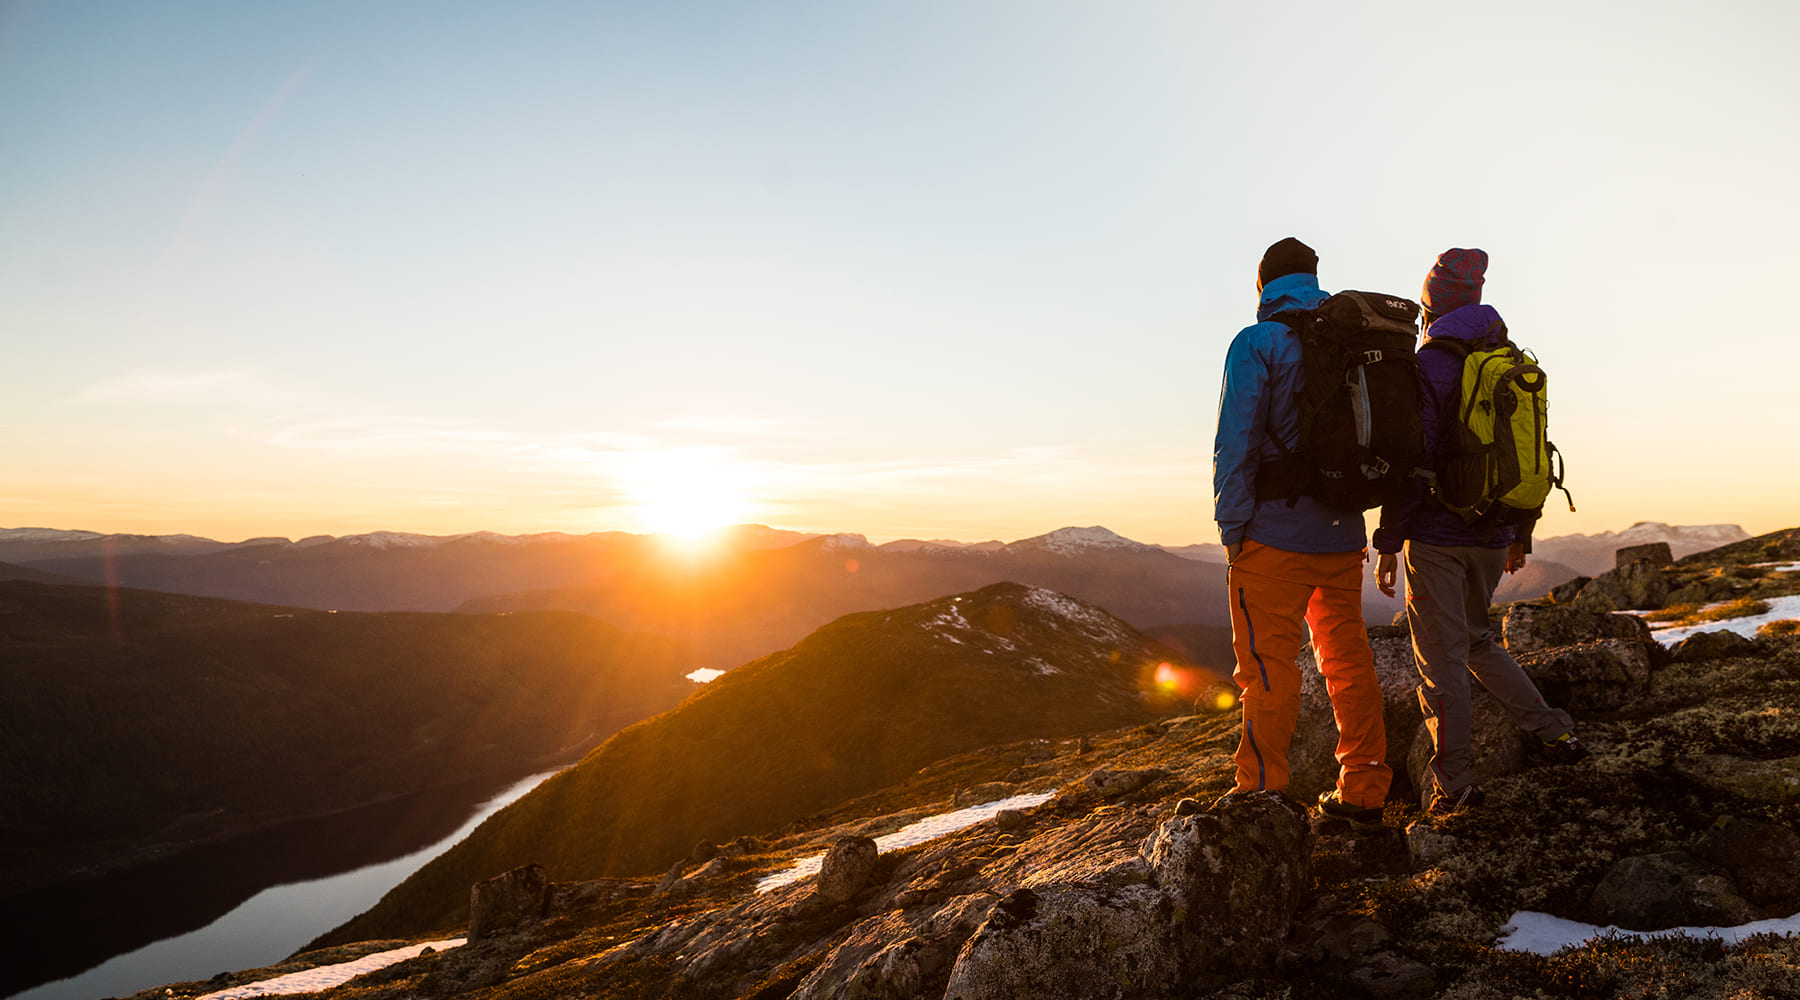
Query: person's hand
{"points": [[1387, 570], [1515, 557], [1231, 552]]}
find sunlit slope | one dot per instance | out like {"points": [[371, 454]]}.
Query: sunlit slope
{"points": [[134, 718], [736, 606], [860, 704]]}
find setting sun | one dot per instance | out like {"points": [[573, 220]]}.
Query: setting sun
{"points": [[687, 492]]}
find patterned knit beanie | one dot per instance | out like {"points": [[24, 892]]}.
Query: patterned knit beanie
{"points": [[1290, 256], [1455, 281]]}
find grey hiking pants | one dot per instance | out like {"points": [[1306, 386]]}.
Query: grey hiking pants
{"points": [[1447, 595]]}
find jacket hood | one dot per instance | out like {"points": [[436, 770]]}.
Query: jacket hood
{"points": [[1290, 291], [1476, 324]]}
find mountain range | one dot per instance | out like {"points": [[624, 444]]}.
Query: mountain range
{"points": [[749, 591]]}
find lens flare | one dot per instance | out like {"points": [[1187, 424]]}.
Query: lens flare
{"points": [[1178, 682], [1221, 699]]}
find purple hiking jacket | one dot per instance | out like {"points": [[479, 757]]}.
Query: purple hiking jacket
{"points": [[1418, 516]]}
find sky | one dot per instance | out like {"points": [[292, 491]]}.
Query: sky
{"points": [[961, 269]]}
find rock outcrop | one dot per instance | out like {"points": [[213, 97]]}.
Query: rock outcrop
{"points": [[1672, 889]]}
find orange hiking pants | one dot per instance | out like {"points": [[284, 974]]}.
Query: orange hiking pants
{"points": [[1272, 592]]}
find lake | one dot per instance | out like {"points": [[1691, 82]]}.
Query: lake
{"points": [[244, 904]]}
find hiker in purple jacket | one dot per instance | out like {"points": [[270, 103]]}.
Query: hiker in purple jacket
{"points": [[1452, 567]]}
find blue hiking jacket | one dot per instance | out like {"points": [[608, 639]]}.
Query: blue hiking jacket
{"points": [[1418, 516], [1258, 405]]}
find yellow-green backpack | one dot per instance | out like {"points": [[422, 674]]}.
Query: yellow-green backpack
{"points": [[1504, 466]]}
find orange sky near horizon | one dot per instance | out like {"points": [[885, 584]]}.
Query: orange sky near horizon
{"points": [[907, 269]]}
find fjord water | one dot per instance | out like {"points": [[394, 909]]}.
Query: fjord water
{"points": [[240, 905]]}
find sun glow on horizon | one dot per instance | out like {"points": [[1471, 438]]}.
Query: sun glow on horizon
{"points": [[687, 493]]}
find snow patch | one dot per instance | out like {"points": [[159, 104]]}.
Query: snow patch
{"points": [[325, 977], [846, 541], [1779, 608], [1095, 623], [946, 624], [1543, 934], [705, 675], [392, 540], [929, 828]]}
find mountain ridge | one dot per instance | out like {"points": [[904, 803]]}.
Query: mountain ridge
{"points": [[158, 708], [905, 687]]}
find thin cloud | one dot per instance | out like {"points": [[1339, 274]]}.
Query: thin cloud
{"points": [[733, 426], [392, 433], [164, 386]]}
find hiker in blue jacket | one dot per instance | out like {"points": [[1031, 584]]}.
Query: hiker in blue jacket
{"points": [[1295, 565], [1453, 567]]}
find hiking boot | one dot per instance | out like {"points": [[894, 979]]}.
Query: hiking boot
{"points": [[1443, 805], [1565, 749], [1333, 806]]}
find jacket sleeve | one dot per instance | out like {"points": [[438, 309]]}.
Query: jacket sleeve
{"points": [[1237, 445]]}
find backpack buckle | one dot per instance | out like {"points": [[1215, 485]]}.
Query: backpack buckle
{"points": [[1371, 357], [1378, 468]]}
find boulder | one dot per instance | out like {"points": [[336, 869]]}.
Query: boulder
{"points": [[1342, 939], [1312, 756], [1389, 975], [1674, 889], [882, 959], [1633, 586], [1563, 593], [1237, 873], [1716, 586], [1590, 676], [507, 900], [847, 868], [1763, 859], [1012, 819], [1657, 554], [1223, 889], [1772, 782], [1427, 845], [1074, 941], [1533, 628], [1118, 784], [1721, 644], [1496, 746]]}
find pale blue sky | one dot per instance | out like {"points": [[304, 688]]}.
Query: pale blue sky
{"points": [[933, 269]]}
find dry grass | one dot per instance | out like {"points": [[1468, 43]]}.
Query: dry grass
{"points": [[1689, 614]]}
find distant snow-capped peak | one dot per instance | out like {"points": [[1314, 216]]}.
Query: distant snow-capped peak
{"points": [[845, 540], [1656, 531], [392, 540], [1075, 541]]}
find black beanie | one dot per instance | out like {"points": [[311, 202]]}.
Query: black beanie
{"points": [[1290, 256]]}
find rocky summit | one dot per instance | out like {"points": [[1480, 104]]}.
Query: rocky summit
{"points": [[1124, 870]]}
